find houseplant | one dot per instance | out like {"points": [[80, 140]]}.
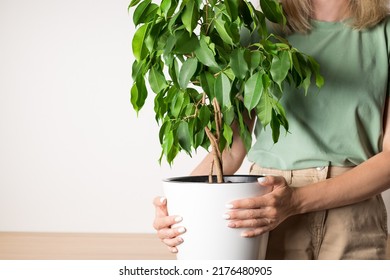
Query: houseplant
{"points": [[205, 75]]}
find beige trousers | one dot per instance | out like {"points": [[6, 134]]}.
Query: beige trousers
{"points": [[355, 232]]}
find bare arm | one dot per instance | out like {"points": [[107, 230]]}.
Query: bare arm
{"points": [[266, 212], [369, 178]]}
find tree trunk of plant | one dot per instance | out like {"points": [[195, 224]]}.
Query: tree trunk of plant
{"points": [[214, 140], [217, 163]]}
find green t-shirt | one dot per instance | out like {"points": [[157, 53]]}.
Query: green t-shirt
{"points": [[342, 123]]}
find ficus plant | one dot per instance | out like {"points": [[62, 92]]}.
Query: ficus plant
{"points": [[206, 75]]}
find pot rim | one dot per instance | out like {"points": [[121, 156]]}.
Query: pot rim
{"points": [[203, 179]]}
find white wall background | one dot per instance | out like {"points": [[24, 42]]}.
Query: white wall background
{"points": [[73, 155]]}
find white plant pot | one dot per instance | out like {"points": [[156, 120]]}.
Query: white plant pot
{"points": [[202, 206]]}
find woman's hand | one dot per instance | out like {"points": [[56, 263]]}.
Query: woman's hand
{"points": [[262, 213], [162, 223]]}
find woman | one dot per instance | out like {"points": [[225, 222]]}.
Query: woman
{"points": [[328, 173]]}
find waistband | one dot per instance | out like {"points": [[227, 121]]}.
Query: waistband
{"points": [[323, 171]]}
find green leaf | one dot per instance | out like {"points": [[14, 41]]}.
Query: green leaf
{"points": [[261, 26], [156, 38], [140, 50], [185, 43], [279, 67], [221, 26], [174, 21], [137, 16], [145, 12], [157, 80], [244, 132], [171, 93], [306, 82], [253, 91], [160, 107], [207, 82], [228, 115], [184, 137], [139, 94], [315, 68], [189, 110], [282, 116], [264, 109], [177, 104], [134, 97], [222, 90], [168, 7], [275, 90], [174, 72], [273, 11], [205, 54], [238, 63], [232, 8], [198, 138], [167, 145], [229, 73], [255, 60], [164, 129], [187, 71], [228, 134], [204, 116], [246, 14], [137, 69], [275, 126], [133, 3], [296, 63], [167, 54], [190, 16]]}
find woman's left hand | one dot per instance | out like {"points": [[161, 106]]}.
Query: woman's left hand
{"points": [[263, 213]]}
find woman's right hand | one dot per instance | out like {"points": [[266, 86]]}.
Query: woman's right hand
{"points": [[163, 224]]}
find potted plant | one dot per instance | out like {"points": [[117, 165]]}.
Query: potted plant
{"points": [[206, 75]]}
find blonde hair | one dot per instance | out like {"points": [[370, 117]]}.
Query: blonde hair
{"points": [[364, 13]]}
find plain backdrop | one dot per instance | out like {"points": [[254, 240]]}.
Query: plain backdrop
{"points": [[74, 157]]}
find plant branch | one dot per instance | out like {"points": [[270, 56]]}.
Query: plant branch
{"points": [[217, 161], [214, 141]]}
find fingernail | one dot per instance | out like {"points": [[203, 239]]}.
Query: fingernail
{"points": [[261, 179], [178, 219], [174, 250], [226, 216], [180, 240], [181, 230], [232, 225], [229, 206], [244, 234], [163, 199]]}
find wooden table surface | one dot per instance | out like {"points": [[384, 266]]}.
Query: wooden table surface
{"points": [[81, 246], [84, 246]]}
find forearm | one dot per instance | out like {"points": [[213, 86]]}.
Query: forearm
{"points": [[362, 182], [231, 164]]}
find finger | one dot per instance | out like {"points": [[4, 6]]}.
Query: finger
{"points": [[250, 223], [160, 204], [247, 203], [173, 250], [256, 232], [272, 181], [162, 221], [259, 201], [247, 214], [159, 201], [173, 242], [170, 233]]}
